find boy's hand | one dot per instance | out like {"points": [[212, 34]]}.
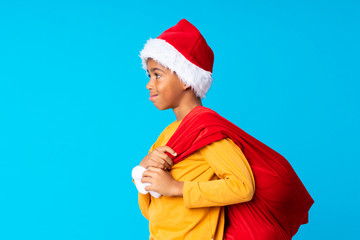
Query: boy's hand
{"points": [[158, 158], [162, 182]]}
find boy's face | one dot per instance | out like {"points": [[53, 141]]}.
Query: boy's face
{"points": [[166, 89]]}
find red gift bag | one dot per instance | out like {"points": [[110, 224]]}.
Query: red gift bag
{"points": [[280, 203]]}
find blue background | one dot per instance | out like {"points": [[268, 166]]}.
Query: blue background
{"points": [[75, 117]]}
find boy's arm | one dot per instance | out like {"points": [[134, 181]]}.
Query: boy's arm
{"points": [[236, 183]]}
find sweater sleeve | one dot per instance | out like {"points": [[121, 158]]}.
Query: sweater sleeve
{"points": [[236, 182], [144, 203]]}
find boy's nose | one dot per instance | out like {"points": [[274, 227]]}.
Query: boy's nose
{"points": [[149, 85]]}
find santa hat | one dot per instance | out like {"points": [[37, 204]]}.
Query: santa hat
{"points": [[184, 50]]}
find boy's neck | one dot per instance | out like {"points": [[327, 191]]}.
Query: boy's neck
{"points": [[182, 111]]}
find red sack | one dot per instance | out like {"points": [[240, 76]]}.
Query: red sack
{"points": [[280, 203]]}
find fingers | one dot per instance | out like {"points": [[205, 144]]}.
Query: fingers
{"points": [[161, 152], [152, 172], [158, 158], [157, 161], [163, 159], [164, 156], [161, 182], [149, 188], [169, 150], [146, 180]]}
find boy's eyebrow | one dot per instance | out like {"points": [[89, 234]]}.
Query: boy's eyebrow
{"points": [[154, 69]]}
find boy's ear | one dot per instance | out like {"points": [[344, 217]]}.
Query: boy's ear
{"points": [[186, 86]]}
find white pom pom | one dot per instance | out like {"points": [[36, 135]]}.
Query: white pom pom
{"points": [[136, 174]]}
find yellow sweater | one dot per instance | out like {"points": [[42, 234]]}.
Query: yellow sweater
{"points": [[214, 176]]}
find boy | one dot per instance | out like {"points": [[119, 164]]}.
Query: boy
{"points": [[187, 200]]}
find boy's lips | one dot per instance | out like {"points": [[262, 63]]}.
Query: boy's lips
{"points": [[152, 96]]}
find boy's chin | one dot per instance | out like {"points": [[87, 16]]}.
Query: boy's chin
{"points": [[162, 107]]}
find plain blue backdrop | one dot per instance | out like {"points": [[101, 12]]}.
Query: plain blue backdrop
{"points": [[75, 117]]}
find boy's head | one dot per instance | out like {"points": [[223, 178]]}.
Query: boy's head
{"points": [[166, 89], [182, 49]]}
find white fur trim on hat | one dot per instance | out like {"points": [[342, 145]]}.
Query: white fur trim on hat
{"points": [[165, 54]]}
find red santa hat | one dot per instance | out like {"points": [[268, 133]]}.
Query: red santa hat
{"points": [[184, 50]]}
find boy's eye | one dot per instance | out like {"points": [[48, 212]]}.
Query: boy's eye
{"points": [[156, 75]]}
